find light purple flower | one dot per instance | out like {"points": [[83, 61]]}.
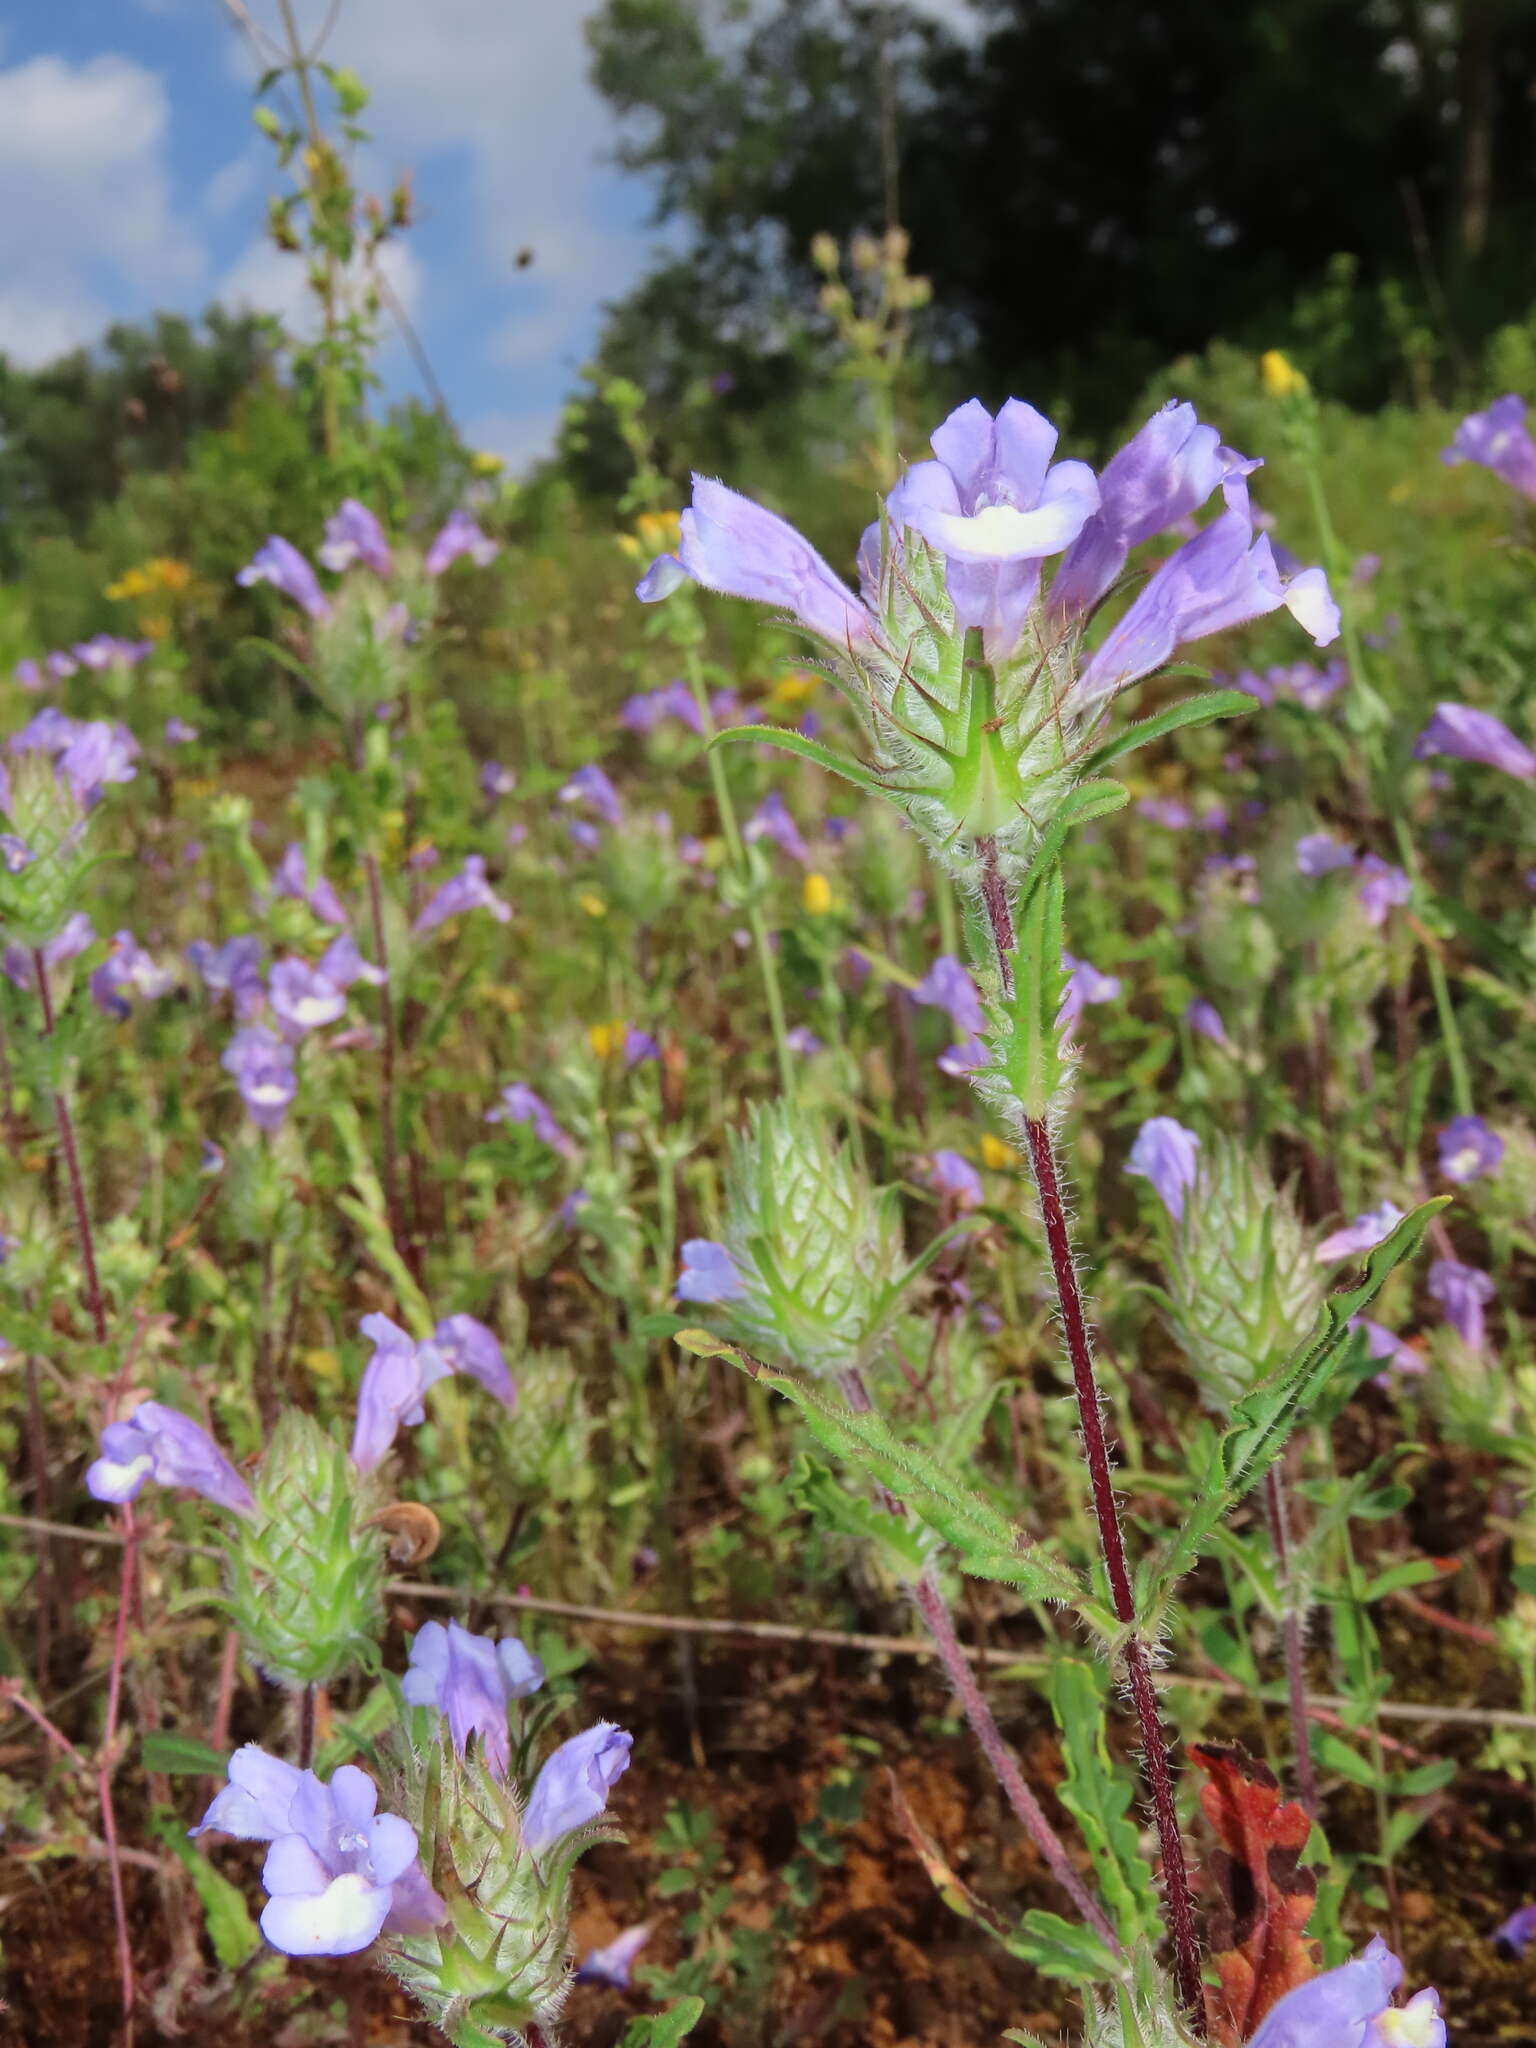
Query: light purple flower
{"points": [[612, 1963], [995, 506], [709, 1273], [291, 878], [467, 890], [1500, 440], [572, 1789], [161, 1444], [1518, 1931], [639, 1046], [1469, 1148], [1361, 1236], [1383, 888], [1205, 1018], [1319, 853], [303, 999], [954, 1177], [803, 1040], [178, 733], [947, 986], [15, 854], [1220, 579], [1462, 1292], [771, 820], [278, 562], [1468, 734], [645, 711], [1085, 984], [1166, 811], [66, 944], [61, 666], [97, 753], [343, 964], [1351, 2007], [262, 1066], [1312, 687], [473, 1680], [352, 534], [496, 781], [520, 1105], [339, 1873], [393, 1383], [1385, 1345], [465, 1344], [731, 545], [126, 972], [1161, 475], [233, 969], [590, 785], [1164, 1153], [458, 536]]}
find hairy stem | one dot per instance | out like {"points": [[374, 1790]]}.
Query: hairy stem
{"points": [[390, 1161], [71, 1151], [1157, 1758], [934, 1609]]}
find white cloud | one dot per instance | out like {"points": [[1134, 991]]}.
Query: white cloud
{"points": [[519, 438], [82, 146]]}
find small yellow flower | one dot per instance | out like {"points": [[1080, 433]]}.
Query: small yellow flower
{"points": [[592, 903], [506, 999], [132, 583], [484, 463], [325, 1365], [995, 1154], [169, 574], [153, 625], [796, 688], [608, 1039], [816, 894], [1281, 377]]}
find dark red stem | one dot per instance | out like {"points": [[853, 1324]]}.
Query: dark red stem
{"points": [[67, 1145]]}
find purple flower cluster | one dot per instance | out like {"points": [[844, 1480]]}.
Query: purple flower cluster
{"points": [[339, 1872], [468, 890], [520, 1105], [18, 966], [1304, 682], [1382, 888], [650, 708], [86, 755], [948, 986], [291, 878], [400, 1371], [128, 971], [1499, 440], [459, 536], [161, 1444], [352, 534]]}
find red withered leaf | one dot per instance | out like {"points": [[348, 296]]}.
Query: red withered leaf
{"points": [[1258, 1930]]}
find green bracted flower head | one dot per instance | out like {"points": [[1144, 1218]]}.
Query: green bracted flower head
{"points": [[54, 772], [816, 1246]]}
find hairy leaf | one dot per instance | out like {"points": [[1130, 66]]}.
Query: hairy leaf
{"points": [[1188, 711], [1100, 1799]]}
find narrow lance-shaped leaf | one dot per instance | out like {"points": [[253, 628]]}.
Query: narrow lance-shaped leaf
{"points": [[1100, 1799], [1188, 711]]}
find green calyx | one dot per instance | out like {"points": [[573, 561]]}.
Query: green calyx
{"points": [[306, 1566]]}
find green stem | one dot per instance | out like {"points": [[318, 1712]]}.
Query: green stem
{"points": [[736, 852]]}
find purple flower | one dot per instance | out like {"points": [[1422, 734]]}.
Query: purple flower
{"points": [[1220, 579], [28, 675], [771, 820], [496, 781], [709, 1273], [278, 562], [1384, 1344], [339, 1872], [1085, 984], [342, 964], [291, 878], [590, 785], [128, 971], [459, 535], [1161, 475], [466, 1345], [1462, 1292], [572, 1789], [1472, 735], [954, 1177], [1383, 888], [233, 968], [72, 939], [178, 733], [468, 890], [473, 1680], [1345, 2008], [639, 1046], [1518, 1931], [60, 666], [1363, 1235], [1205, 1018], [394, 1381], [612, 1963], [645, 711], [262, 1066], [1469, 1149], [303, 999], [731, 545], [1311, 686], [520, 1105], [97, 753], [15, 854], [947, 986], [1164, 1153], [803, 1040], [1500, 441], [1166, 811], [1319, 853], [160, 1443], [352, 534], [995, 506]]}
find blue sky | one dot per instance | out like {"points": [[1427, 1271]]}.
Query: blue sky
{"points": [[135, 179]]}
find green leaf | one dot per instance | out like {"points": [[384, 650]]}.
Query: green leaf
{"points": [[179, 1756], [990, 1546], [1413, 1571], [1024, 1037], [792, 742], [231, 1930], [864, 1520], [1188, 711], [701, 1344], [1101, 1799], [1063, 1948]]}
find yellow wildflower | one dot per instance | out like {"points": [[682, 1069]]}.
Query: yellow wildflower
{"points": [[592, 903], [324, 1364], [796, 688], [995, 1154], [484, 463], [1281, 377], [816, 894], [608, 1039]]}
